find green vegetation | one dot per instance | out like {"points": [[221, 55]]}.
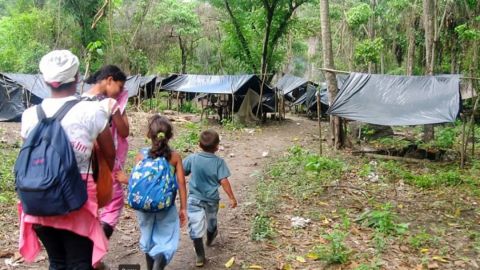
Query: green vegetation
{"points": [[187, 140], [383, 220], [7, 178], [335, 252], [262, 228]]}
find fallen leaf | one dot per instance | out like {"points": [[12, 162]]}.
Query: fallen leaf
{"points": [[230, 262], [300, 259], [287, 267], [439, 259], [221, 205], [312, 256], [254, 266], [424, 250]]}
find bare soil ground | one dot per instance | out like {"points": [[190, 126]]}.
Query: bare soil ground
{"points": [[443, 221], [246, 151]]}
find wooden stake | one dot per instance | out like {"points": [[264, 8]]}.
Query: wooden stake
{"points": [[463, 148], [319, 115]]}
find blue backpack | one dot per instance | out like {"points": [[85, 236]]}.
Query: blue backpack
{"points": [[152, 186], [47, 178]]}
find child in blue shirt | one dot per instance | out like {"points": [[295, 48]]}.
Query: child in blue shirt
{"points": [[208, 172]]}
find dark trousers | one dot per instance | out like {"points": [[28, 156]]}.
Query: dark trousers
{"points": [[66, 250]]}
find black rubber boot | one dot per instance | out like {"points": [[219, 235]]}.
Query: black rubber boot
{"points": [[107, 229], [150, 262], [200, 251], [211, 236], [160, 263]]}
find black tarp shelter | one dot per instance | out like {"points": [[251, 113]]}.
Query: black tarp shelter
{"points": [[293, 87], [398, 100], [136, 85], [11, 100]]}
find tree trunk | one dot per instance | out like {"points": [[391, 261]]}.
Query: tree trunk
{"points": [[183, 50], [268, 26], [411, 44], [335, 121], [429, 26]]}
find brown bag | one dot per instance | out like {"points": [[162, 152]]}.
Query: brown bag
{"points": [[103, 177]]}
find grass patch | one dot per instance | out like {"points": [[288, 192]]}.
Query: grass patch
{"points": [[436, 175], [262, 228], [422, 240], [187, 140], [298, 175], [7, 177]]}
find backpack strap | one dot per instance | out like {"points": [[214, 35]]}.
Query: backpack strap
{"points": [[40, 113], [64, 109], [60, 113]]}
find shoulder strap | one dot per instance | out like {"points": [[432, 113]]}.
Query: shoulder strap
{"points": [[40, 113], [64, 109], [60, 113]]}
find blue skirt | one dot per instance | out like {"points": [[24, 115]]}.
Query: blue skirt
{"points": [[160, 232]]}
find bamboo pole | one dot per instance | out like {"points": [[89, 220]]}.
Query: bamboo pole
{"points": [[319, 115]]}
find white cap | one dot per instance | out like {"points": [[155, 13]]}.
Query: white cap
{"points": [[59, 67]]}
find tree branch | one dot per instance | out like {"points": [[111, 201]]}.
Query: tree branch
{"points": [[241, 37]]}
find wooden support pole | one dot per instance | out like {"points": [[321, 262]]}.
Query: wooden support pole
{"points": [[178, 102], [463, 148], [319, 115], [334, 70]]}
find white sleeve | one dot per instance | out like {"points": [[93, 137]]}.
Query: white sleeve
{"points": [[29, 120]]}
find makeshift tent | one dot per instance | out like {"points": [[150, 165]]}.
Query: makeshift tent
{"points": [[11, 100], [294, 87], [245, 112], [398, 100], [142, 86], [36, 87], [216, 84]]}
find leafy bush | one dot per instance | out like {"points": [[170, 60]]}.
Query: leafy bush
{"points": [[336, 252], [383, 220]]}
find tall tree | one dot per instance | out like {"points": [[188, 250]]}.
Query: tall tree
{"points": [[429, 28], [253, 20], [335, 121]]}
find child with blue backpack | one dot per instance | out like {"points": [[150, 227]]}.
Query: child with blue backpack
{"points": [[152, 189], [208, 173]]}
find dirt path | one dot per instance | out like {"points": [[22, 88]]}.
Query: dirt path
{"points": [[244, 152], [244, 155]]}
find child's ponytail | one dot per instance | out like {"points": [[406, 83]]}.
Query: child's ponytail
{"points": [[160, 133]]}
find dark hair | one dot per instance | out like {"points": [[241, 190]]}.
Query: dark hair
{"points": [[107, 71], [209, 140], [160, 131]]}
